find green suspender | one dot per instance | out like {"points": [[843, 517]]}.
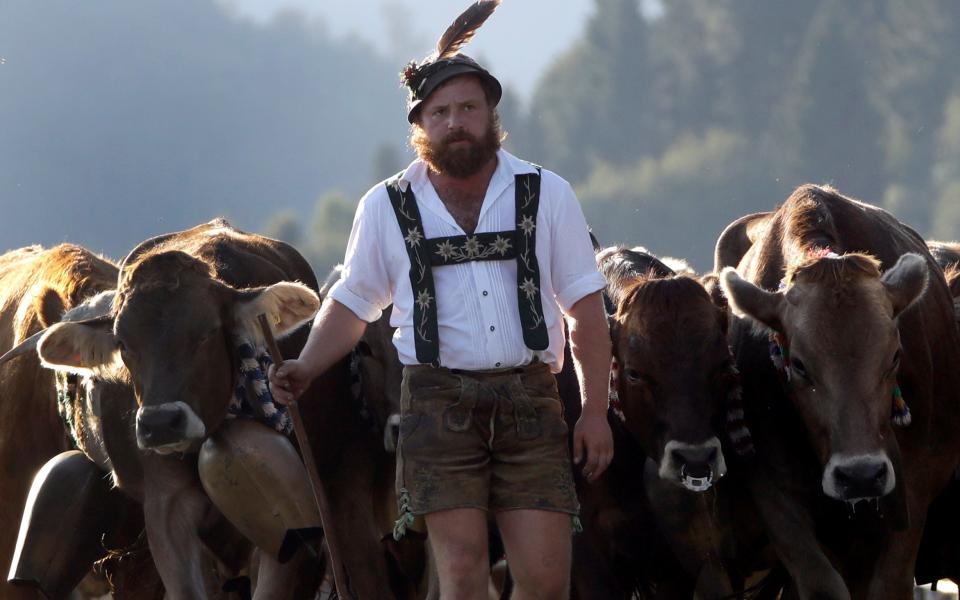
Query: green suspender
{"points": [[424, 254], [528, 270], [426, 336]]}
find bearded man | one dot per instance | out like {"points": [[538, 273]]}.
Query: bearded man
{"points": [[482, 256]]}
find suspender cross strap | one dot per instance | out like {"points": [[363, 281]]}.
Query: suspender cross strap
{"points": [[519, 244]]}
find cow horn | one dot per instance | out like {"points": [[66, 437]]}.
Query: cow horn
{"points": [[27, 345]]}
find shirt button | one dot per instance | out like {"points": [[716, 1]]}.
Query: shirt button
{"points": [[497, 365], [484, 292], [492, 328]]}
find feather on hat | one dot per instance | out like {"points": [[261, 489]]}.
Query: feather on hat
{"points": [[445, 61]]}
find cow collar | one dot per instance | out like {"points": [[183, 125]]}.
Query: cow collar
{"points": [[251, 394]]}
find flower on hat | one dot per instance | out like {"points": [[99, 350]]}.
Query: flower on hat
{"points": [[409, 73]]}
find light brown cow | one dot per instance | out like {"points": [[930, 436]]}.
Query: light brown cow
{"points": [[183, 302], [862, 320], [36, 286]]}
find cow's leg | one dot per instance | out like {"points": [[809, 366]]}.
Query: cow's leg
{"points": [[174, 507], [350, 492], [893, 572], [791, 530], [693, 534], [276, 581]]}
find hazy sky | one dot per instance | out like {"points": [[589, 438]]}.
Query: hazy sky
{"points": [[516, 41]]}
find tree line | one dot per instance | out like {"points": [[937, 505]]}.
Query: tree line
{"points": [[670, 126]]}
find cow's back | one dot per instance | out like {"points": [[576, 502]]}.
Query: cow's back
{"points": [[36, 286], [237, 258]]}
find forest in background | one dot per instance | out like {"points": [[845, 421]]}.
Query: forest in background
{"points": [[671, 128], [668, 126]]}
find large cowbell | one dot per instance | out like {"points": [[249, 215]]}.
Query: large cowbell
{"points": [[68, 511], [255, 478]]}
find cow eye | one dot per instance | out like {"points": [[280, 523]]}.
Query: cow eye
{"points": [[799, 368], [125, 352], [635, 376], [364, 349], [895, 363]]}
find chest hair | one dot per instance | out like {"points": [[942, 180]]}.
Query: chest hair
{"points": [[463, 207]]}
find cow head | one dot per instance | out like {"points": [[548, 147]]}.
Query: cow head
{"points": [[172, 336], [674, 375], [837, 320]]}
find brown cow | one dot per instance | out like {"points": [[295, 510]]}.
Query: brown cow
{"points": [[183, 301], [94, 413], [861, 322], [36, 286], [660, 516]]}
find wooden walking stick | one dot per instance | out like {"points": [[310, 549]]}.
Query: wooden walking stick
{"points": [[319, 491]]}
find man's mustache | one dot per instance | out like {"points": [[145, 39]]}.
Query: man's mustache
{"points": [[459, 136]]}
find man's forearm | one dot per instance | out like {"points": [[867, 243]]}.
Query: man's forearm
{"points": [[590, 347], [335, 332]]}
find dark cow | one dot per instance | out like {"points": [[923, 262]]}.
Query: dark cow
{"points": [[184, 302], [947, 255], [377, 374], [846, 316], [659, 518]]}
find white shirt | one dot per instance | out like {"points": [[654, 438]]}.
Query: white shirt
{"points": [[477, 314]]}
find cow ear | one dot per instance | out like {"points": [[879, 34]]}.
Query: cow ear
{"points": [[81, 347], [748, 300], [49, 306], [952, 274], [906, 281], [711, 283], [288, 305]]}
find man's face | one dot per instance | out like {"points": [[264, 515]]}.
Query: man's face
{"points": [[456, 133]]}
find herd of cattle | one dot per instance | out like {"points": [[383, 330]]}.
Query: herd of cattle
{"points": [[786, 426]]}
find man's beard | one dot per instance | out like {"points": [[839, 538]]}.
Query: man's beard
{"points": [[462, 160]]}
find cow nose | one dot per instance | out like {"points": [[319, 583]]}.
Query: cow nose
{"points": [[697, 461], [862, 479], [168, 424]]}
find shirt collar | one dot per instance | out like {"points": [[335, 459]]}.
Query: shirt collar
{"points": [[508, 166]]}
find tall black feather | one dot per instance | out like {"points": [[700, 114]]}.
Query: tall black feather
{"points": [[463, 28]]}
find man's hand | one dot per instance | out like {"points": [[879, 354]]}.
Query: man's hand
{"points": [[590, 347], [592, 444], [335, 332], [289, 381]]}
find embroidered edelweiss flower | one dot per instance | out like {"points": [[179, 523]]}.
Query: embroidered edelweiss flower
{"points": [[472, 246], [501, 245], [423, 299], [445, 249], [413, 237], [528, 287], [527, 225]]}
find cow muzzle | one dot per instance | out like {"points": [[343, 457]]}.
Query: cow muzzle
{"points": [[859, 477], [694, 466], [170, 427]]}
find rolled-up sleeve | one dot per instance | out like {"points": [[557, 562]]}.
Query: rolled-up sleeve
{"points": [[364, 286], [573, 264]]}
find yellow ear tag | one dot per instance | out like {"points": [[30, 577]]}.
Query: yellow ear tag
{"points": [[276, 319]]}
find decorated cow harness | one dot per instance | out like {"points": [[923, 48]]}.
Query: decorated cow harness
{"points": [[425, 254]]}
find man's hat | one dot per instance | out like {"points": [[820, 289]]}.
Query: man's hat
{"points": [[446, 61]]}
